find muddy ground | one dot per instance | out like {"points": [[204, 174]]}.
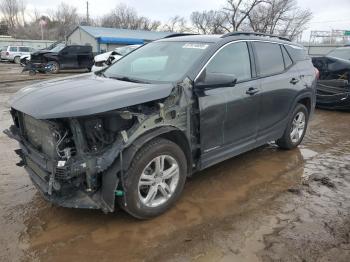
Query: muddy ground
{"points": [[266, 205]]}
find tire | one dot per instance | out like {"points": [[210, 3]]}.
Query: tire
{"points": [[296, 128], [17, 60], [137, 201], [55, 67]]}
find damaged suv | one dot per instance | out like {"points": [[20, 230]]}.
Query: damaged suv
{"points": [[132, 133]]}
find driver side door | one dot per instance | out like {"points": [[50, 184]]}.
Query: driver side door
{"points": [[229, 115]]}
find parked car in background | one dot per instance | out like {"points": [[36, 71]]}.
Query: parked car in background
{"points": [[24, 59], [134, 132], [13, 53], [62, 57], [106, 59], [333, 87]]}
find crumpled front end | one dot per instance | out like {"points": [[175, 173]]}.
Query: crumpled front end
{"points": [[79, 161], [67, 159]]}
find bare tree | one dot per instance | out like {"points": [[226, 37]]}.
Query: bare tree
{"points": [[62, 20], [10, 10], [209, 22], [281, 17], [176, 24], [127, 18], [237, 12]]}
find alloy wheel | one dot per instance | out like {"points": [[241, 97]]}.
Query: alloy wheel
{"points": [[158, 181], [298, 127]]}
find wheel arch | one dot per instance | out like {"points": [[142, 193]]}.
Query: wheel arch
{"points": [[167, 132], [304, 99]]}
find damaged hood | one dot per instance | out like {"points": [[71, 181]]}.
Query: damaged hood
{"points": [[83, 95]]}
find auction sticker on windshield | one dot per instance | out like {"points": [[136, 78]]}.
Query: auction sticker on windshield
{"points": [[195, 46]]}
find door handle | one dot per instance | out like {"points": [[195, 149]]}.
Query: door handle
{"points": [[252, 91], [294, 81]]}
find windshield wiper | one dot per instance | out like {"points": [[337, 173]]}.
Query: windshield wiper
{"points": [[128, 79]]}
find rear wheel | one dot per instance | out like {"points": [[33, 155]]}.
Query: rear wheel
{"points": [[155, 179], [17, 60], [296, 128]]}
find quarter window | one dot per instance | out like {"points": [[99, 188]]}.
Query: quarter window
{"points": [[13, 49], [269, 58], [287, 60], [232, 59]]}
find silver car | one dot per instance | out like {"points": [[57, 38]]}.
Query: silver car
{"points": [[13, 53]]}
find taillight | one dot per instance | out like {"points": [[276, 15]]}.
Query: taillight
{"points": [[317, 73]]}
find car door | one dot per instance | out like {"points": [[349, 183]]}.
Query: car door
{"points": [[279, 85], [23, 50], [68, 57], [229, 115]]}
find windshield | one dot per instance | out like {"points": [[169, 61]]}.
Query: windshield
{"points": [[340, 53], [158, 61], [58, 48]]}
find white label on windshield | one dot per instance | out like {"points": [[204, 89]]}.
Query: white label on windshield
{"points": [[195, 46]]}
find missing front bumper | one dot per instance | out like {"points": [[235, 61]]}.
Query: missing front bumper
{"points": [[41, 171]]}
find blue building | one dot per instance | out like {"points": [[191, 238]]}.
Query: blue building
{"points": [[104, 39]]}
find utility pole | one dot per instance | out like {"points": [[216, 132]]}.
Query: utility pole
{"points": [[87, 13]]}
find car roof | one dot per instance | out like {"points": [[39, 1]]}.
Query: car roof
{"points": [[228, 37]]}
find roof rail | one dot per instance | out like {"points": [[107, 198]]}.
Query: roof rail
{"points": [[178, 34], [255, 34]]}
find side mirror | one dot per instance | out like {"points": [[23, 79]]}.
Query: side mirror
{"points": [[215, 80]]}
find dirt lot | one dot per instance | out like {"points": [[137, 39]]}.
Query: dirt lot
{"points": [[266, 205]]}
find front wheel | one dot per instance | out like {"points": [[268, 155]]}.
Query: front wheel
{"points": [[296, 128], [53, 67], [155, 179]]}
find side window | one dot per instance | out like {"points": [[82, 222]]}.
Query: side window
{"points": [[287, 60], [23, 49], [269, 58], [13, 48], [232, 59], [72, 50]]}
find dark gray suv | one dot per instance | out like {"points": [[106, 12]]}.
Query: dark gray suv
{"points": [[134, 132]]}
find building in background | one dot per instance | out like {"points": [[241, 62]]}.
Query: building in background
{"points": [[104, 39], [36, 44]]}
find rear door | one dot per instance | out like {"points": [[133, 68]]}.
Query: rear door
{"points": [[13, 52], [229, 115], [84, 56], [279, 84], [68, 57]]}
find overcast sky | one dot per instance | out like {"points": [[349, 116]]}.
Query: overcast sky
{"points": [[328, 14]]}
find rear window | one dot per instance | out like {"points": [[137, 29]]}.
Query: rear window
{"points": [[297, 53], [13, 48], [269, 58]]}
